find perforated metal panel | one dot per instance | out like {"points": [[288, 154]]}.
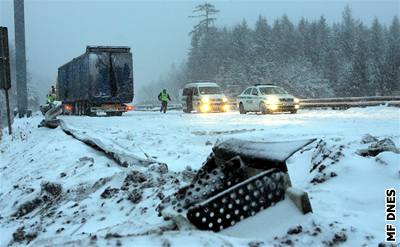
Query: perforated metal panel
{"points": [[210, 180], [239, 202]]}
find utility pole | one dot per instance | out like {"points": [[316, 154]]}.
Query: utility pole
{"points": [[20, 58], [5, 79]]}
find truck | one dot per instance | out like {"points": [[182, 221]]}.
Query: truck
{"points": [[100, 80]]}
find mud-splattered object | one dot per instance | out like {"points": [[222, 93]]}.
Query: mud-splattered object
{"points": [[54, 189], [161, 168], [28, 207], [256, 243], [295, 230], [384, 145], [109, 192], [20, 235], [338, 238], [135, 196], [135, 177]]}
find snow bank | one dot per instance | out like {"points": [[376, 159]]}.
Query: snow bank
{"points": [[103, 203]]}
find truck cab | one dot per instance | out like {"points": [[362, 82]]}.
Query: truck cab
{"points": [[204, 97]]}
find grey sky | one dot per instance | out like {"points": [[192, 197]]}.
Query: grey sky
{"points": [[157, 31]]}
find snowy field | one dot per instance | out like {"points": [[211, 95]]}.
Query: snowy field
{"points": [[58, 191]]}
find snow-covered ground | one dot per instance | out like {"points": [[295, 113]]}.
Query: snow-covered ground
{"points": [[78, 196]]}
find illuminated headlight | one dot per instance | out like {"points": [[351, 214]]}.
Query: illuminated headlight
{"points": [[273, 100], [226, 108], [224, 99], [205, 108], [273, 107], [296, 100], [205, 100], [296, 106]]}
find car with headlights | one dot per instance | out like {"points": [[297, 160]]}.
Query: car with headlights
{"points": [[266, 98], [204, 96]]}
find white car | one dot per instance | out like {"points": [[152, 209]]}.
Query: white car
{"points": [[204, 97], [266, 98]]}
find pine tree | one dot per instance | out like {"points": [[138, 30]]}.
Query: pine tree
{"points": [[303, 31], [347, 34], [310, 59], [392, 59], [206, 12], [201, 61], [375, 63], [359, 84]]}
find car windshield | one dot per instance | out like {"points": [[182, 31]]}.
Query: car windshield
{"points": [[272, 90], [210, 90]]}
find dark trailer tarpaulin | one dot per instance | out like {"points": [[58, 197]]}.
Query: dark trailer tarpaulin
{"points": [[102, 75]]}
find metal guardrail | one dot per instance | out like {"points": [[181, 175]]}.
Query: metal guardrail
{"points": [[334, 103], [347, 102], [157, 107], [353, 99]]}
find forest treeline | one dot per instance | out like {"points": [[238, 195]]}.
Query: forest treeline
{"points": [[308, 58]]}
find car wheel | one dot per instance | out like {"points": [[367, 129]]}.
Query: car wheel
{"points": [[264, 109], [241, 108], [293, 112]]}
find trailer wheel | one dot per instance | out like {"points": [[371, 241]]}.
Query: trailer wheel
{"points": [[79, 108], [87, 110], [75, 109]]}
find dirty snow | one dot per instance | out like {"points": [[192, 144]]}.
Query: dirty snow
{"points": [[104, 203]]}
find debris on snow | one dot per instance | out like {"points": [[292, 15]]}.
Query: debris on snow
{"points": [[28, 207], [20, 235], [368, 139], [112, 235], [76, 214], [377, 147], [256, 243], [54, 189], [295, 230], [161, 168], [134, 178], [135, 196], [338, 238], [323, 157], [49, 193], [109, 192]]}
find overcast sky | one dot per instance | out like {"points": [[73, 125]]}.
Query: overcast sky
{"points": [[157, 31]]}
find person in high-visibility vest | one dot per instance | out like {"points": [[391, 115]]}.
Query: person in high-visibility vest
{"points": [[50, 99], [164, 97]]}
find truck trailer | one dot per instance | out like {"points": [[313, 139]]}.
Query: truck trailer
{"points": [[100, 80]]}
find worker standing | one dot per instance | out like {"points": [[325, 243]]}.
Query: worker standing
{"points": [[164, 98], [53, 92], [50, 99]]}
